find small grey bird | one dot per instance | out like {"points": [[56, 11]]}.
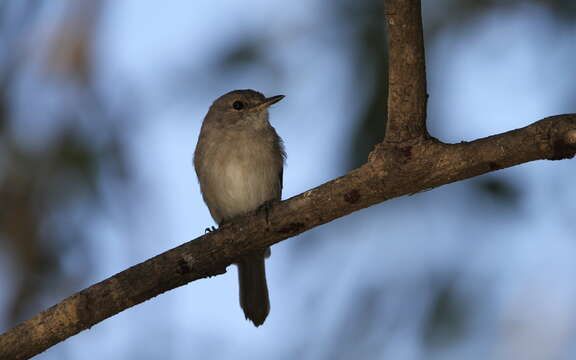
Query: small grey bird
{"points": [[239, 161]]}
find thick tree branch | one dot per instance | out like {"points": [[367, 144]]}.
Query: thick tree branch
{"points": [[392, 171], [407, 162]]}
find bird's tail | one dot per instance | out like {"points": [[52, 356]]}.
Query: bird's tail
{"points": [[253, 288]]}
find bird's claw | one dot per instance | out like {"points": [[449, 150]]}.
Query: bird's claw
{"points": [[266, 207]]}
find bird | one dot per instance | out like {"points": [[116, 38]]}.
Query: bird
{"points": [[239, 161]]}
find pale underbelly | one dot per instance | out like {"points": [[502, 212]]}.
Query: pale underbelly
{"points": [[241, 188]]}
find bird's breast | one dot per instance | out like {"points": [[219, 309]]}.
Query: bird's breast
{"points": [[241, 173]]}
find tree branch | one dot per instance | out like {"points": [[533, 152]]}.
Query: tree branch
{"points": [[406, 72], [392, 171], [407, 162]]}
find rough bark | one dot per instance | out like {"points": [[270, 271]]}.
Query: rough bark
{"points": [[406, 162], [407, 95]]}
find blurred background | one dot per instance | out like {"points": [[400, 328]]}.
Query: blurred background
{"points": [[101, 103]]}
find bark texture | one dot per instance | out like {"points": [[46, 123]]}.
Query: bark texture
{"points": [[406, 162]]}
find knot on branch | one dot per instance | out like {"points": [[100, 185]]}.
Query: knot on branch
{"points": [[565, 146], [570, 137]]}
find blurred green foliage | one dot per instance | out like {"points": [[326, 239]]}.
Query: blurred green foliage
{"points": [[42, 187]]}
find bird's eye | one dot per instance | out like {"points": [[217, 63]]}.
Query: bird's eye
{"points": [[238, 105]]}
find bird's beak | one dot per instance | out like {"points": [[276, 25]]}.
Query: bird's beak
{"points": [[273, 100], [268, 101]]}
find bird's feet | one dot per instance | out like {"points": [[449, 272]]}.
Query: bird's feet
{"points": [[266, 207], [209, 229]]}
